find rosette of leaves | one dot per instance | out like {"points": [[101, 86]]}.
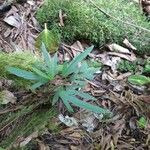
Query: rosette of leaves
{"points": [[66, 78]]}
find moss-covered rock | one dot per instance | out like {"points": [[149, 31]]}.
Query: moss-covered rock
{"points": [[83, 21]]}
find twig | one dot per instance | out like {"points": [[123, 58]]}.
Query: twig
{"points": [[10, 110], [110, 16]]}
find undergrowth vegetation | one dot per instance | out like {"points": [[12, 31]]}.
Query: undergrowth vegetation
{"points": [[64, 80], [21, 60], [83, 21], [26, 121]]}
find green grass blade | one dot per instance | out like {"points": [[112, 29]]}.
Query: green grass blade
{"points": [[23, 73], [74, 63]]}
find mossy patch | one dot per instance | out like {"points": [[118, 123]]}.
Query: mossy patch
{"points": [[25, 122], [83, 21], [20, 60]]}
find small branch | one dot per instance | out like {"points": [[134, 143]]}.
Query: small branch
{"points": [[119, 20]]}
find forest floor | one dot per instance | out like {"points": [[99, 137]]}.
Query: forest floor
{"points": [[129, 103]]}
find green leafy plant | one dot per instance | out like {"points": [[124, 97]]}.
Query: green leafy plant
{"points": [[49, 38], [66, 79], [147, 69], [147, 66], [142, 122], [139, 80]]}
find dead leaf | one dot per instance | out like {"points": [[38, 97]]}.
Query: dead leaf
{"points": [[109, 61], [76, 48], [129, 45], [117, 48], [131, 57], [13, 21], [7, 97], [28, 139], [75, 135], [74, 147], [68, 121], [123, 76], [145, 99]]}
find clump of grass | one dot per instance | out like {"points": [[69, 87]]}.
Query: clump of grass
{"points": [[83, 21]]}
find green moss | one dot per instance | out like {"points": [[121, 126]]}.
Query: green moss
{"points": [[20, 60], [29, 123], [127, 66], [83, 21]]}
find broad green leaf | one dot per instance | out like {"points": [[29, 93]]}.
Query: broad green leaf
{"points": [[23, 73], [73, 65], [49, 38], [142, 122], [139, 80], [64, 67], [50, 62], [41, 66], [40, 73], [81, 94], [53, 70], [88, 106], [55, 98], [147, 69], [60, 68], [46, 55], [38, 84], [65, 98]]}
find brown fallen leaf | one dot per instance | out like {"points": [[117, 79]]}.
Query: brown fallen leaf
{"points": [[74, 147], [129, 45], [145, 99], [131, 57], [13, 21], [42, 146], [123, 76], [7, 97], [117, 48], [28, 139], [76, 48], [109, 61]]}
